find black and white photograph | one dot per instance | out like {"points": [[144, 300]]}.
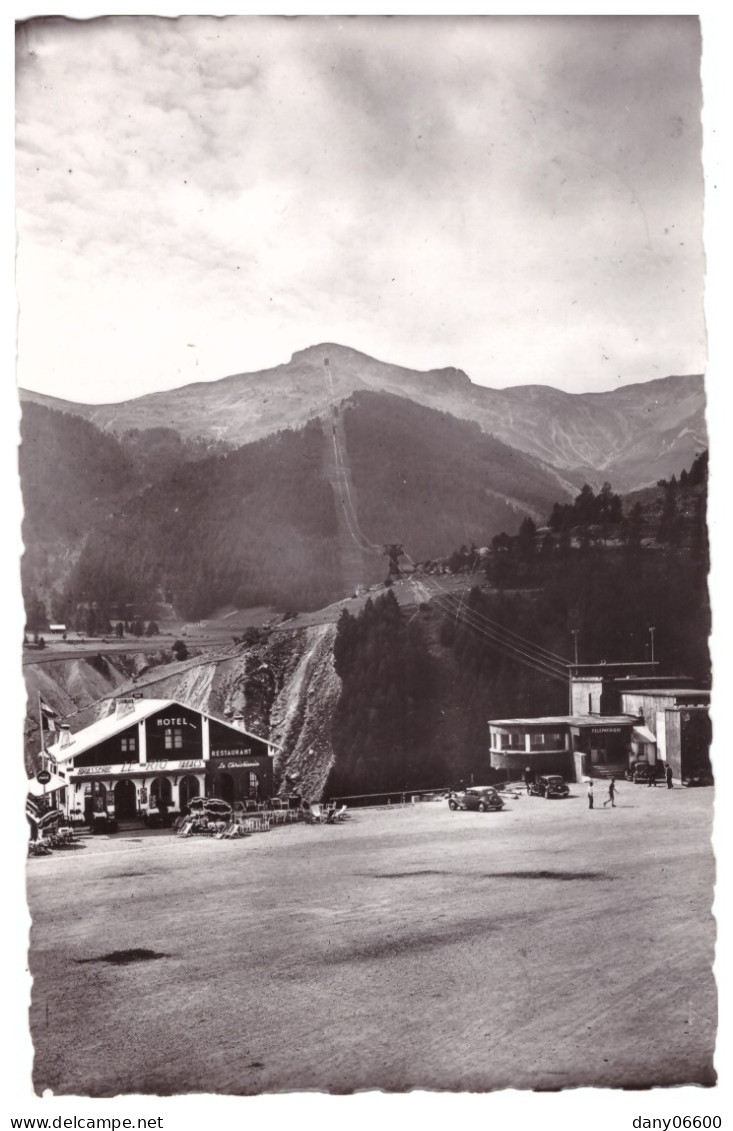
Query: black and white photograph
{"points": [[363, 394]]}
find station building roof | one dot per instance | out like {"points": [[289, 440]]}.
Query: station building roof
{"points": [[117, 721], [569, 720], [663, 692]]}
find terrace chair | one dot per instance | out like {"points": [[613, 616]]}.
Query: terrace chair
{"points": [[316, 816], [278, 812], [233, 830]]}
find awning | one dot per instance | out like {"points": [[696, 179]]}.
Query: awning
{"points": [[643, 734], [55, 783]]}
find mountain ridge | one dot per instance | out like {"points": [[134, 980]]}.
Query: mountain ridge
{"points": [[632, 435]]}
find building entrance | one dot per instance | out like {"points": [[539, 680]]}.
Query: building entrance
{"points": [[188, 788], [125, 800], [95, 799], [220, 785]]}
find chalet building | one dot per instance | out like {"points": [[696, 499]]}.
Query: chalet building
{"points": [[158, 749]]}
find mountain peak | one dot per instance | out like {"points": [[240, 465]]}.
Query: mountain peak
{"points": [[346, 355], [323, 350], [450, 373]]}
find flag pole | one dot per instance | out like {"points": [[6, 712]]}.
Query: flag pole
{"points": [[43, 744]]}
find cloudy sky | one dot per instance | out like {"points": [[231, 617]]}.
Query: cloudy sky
{"points": [[520, 197]]}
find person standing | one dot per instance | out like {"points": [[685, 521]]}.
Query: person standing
{"points": [[668, 775], [162, 807], [652, 775], [611, 793], [528, 777], [590, 793]]}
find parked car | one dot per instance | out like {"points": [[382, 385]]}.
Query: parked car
{"points": [[549, 785], [480, 797], [641, 772], [698, 777]]}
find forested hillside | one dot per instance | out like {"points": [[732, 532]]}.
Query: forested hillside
{"points": [[150, 518], [382, 727], [74, 478], [72, 475], [429, 480], [249, 527]]}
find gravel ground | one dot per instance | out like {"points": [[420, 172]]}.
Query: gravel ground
{"points": [[542, 947]]}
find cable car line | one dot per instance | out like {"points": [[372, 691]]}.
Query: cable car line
{"points": [[503, 646], [342, 474], [528, 655], [543, 655]]}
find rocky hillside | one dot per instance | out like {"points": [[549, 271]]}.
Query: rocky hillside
{"points": [[633, 435], [285, 687]]}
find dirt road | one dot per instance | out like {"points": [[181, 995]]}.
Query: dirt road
{"points": [[542, 947]]}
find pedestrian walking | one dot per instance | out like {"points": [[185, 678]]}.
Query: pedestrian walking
{"points": [[528, 777], [590, 793], [652, 775], [668, 774], [611, 794]]}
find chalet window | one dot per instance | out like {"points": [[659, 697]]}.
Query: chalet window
{"points": [[127, 745], [173, 738]]}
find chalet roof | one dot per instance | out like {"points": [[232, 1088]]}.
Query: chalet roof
{"points": [[115, 723]]}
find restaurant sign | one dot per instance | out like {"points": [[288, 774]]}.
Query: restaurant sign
{"points": [[235, 764]]}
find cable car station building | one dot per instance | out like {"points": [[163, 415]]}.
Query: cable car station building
{"points": [[621, 713], [158, 749], [569, 745]]}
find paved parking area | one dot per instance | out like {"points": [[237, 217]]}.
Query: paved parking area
{"points": [[542, 947]]}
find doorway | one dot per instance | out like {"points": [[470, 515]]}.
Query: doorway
{"points": [[220, 785], [125, 800], [189, 787]]}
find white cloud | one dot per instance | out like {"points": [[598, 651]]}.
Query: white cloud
{"points": [[506, 195]]}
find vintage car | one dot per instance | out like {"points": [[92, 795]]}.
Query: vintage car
{"points": [[641, 772], [698, 777], [549, 785], [480, 797]]}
